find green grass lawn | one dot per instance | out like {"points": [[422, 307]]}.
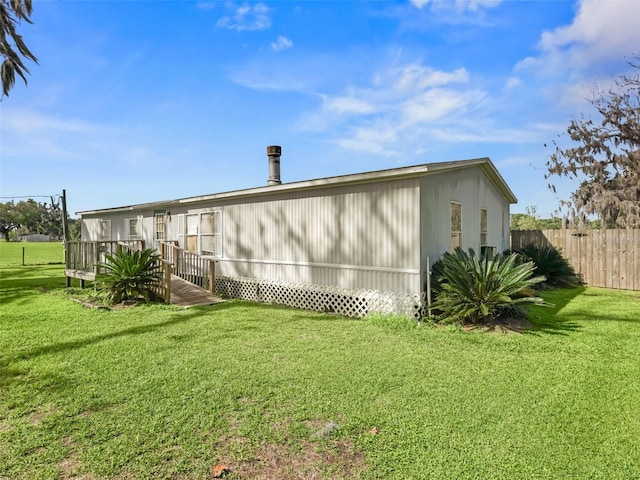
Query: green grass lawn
{"points": [[159, 392], [35, 253]]}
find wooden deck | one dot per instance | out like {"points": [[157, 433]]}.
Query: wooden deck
{"points": [[187, 294]]}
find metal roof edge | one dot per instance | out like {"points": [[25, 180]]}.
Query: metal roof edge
{"points": [[349, 179]]}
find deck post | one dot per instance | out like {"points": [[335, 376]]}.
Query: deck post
{"points": [[167, 281], [97, 260], [212, 276]]}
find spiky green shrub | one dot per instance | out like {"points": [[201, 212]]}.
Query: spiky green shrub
{"points": [[438, 276], [482, 288], [550, 263], [130, 275]]}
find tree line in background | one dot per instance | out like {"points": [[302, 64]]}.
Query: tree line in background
{"points": [[531, 221], [29, 217]]}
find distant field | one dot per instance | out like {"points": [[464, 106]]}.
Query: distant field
{"points": [[35, 253]]}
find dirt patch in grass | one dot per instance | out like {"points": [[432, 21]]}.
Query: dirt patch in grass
{"points": [[69, 466], [307, 461], [5, 426], [317, 456], [38, 416]]}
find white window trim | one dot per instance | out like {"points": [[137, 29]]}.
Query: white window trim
{"points": [[457, 233], [127, 228], [182, 225], [104, 226], [159, 214], [197, 231], [484, 229]]}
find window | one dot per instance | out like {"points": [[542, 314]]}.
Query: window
{"points": [[104, 229], [211, 233], [133, 228], [159, 235], [483, 226], [456, 225], [204, 233]]}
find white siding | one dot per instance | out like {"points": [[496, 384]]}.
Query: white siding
{"points": [[474, 190], [91, 225], [374, 235], [362, 236]]}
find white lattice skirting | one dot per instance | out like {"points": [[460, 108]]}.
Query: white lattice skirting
{"points": [[322, 298]]}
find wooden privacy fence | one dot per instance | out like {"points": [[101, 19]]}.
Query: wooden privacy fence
{"points": [[604, 258]]}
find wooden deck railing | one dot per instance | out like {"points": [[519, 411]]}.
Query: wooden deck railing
{"points": [[190, 266], [83, 259], [162, 288]]}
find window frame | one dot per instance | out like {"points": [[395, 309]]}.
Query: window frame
{"points": [[455, 221], [128, 222], [484, 221], [104, 225], [159, 219], [195, 231]]}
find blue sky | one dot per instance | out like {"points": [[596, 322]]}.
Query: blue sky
{"points": [[137, 101]]}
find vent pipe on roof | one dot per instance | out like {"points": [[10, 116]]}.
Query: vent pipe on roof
{"points": [[273, 152]]}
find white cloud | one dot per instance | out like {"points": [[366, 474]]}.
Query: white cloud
{"points": [[436, 104], [30, 135], [400, 107], [416, 78], [35, 136], [512, 82], [375, 139], [33, 123], [347, 105], [600, 32], [282, 43], [248, 17], [205, 5], [459, 5]]}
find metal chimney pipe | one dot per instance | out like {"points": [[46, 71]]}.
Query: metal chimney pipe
{"points": [[273, 152]]}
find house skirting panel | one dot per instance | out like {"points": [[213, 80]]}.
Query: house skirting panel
{"points": [[322, 298]]}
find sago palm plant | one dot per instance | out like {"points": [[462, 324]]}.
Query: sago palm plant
{"points": [[478, 289], [550, 263], [130, 275]]}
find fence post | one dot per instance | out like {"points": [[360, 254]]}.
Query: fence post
{"points": [[212, 276]]}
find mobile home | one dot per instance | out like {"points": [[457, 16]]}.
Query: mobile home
{"points": [[351, 244]]}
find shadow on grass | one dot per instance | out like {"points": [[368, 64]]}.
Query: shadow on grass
{"points": [[20, 290], [548, 320], [609, 309], [83, 342]]}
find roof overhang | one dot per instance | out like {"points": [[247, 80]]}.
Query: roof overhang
{"points": [[357, 178]]}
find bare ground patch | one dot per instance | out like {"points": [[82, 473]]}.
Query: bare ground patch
{"points": [[305, 461], [69, 467], [319, 457], [37, 417]]}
